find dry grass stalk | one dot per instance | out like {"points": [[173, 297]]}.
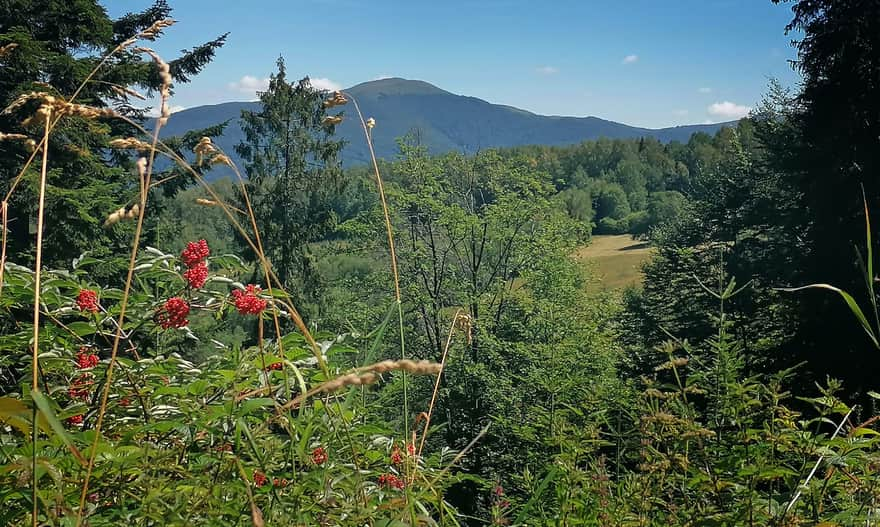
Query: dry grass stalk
{"points": [[165, 89], [4, 215], [123, 213], [421, 367], [338, 99], [153, 32], [204, 149], [674, 363], [7, 49], [390, 233], [37, 284], [130, 143], [367, 375], [28, 142], [125, 92], [57, 106], [462, 321], [220, 159], [145, 169]]}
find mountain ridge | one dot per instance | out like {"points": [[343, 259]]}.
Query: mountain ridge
{"points": [[445, 121]]}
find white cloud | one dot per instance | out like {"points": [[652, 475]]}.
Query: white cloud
{"points": [[154, 111], [547, 70], [705, 90], [630, 59], [728, 110], [249, 85], [323, 83]]}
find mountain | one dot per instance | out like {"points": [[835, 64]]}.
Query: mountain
{"points": [[443, 121]]}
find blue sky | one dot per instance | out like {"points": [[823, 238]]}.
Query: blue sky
{"points": [[647, 63]]}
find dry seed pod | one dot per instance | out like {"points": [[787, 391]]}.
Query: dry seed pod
{"points": [[130, 143], [153, 31], [5, 50], [371, 123], [203, 148], [331, 120], [125, 91], [338, 99]]}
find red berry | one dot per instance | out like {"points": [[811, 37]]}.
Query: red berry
{"points": [[319, 456], [391, 481], [196, 275], [87, 300], [86, 360], [396, 456], [275, 366], [260, 479], [173, 313], [248, 302], [194, 253], [75, 420]]}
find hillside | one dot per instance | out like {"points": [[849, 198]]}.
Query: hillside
{"points": [[443, 121]]}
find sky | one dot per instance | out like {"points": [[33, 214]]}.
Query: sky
{"points": [[648, 63]]}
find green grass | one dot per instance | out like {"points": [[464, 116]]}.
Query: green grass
{"points": [[616, 260]]}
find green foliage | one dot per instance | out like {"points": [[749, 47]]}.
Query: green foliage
{"points": [[190, 442]]}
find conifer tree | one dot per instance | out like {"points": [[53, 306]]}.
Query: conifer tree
{"points": [[52, 46], [293, 169]]}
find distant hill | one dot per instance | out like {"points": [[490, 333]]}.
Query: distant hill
{"points": [[444, 121]]}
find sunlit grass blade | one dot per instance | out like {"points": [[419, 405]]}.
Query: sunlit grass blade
{"points": [[850, 301]]}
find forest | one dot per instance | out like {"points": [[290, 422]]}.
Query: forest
{"points": [[412, 342]]}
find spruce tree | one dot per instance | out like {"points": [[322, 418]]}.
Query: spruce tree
{"points": [[293, 169], [51, 47]]}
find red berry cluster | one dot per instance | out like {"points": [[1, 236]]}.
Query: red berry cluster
{"points": [[75, 420], [275, 366], [396, 456], [197, 275], [193, 257], [248, 302], [195, 253], [173, 313], [260, 480], [391, 481], [85, 360], [87, 300], [319, 456]]}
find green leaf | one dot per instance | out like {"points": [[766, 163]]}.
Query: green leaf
{"points": [[18, 415], [46, 408]]}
